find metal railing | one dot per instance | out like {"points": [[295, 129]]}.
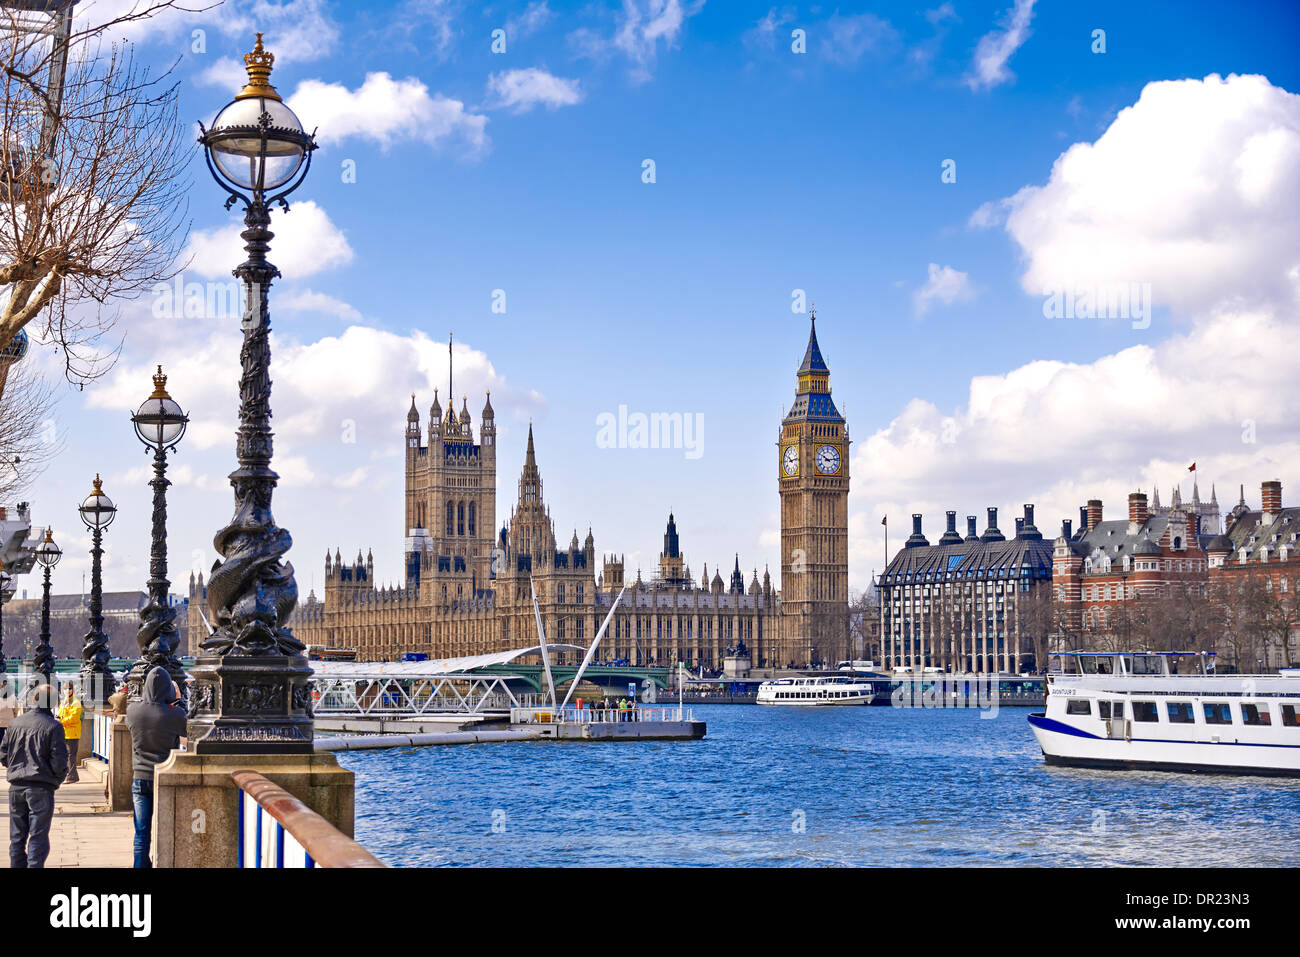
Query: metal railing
{"points": [[401, 696], [571, 715], [101, 731], [278, 830]]}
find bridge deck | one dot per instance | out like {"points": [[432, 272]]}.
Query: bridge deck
{"points": [[83, 833]]}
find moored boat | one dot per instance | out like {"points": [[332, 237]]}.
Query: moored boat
{"points": [[1168, 711], [818, 690]]}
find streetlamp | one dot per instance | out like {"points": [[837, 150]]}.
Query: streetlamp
{"points": [[5, 581], [250, 689], [48, 554], [97, 512], [159, 424]]}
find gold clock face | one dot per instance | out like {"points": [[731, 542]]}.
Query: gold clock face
{"points": [[790, 460]]}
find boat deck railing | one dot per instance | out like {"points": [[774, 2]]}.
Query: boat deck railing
{"points": [[571, 715]]}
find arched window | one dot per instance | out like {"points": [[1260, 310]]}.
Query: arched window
{"points": [[471, 518], [460, 518], [451, 520]]}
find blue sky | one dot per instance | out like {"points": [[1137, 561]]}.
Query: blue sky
{"points": [[775, 171]]}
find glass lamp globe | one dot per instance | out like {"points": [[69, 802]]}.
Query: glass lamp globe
{"points": [[257, 142], [98, 510], [47, 553], [160, 421]]}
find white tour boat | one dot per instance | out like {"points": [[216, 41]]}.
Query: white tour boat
{"points": [[1168, 711], [821, 690]]}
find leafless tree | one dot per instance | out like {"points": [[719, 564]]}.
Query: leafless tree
{"points": [[91, 182], [28, 438], [1039, 622]]}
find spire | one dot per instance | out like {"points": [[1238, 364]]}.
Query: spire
{"points": [[413, 415], [487, 407], [435, 410], [812, 357], [530, 457]]}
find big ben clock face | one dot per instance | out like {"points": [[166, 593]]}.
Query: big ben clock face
{"points": [[828, 460], [790, 460]]}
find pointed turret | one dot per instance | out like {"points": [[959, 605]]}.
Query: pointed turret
{"points": [[737, 578], [413, 415]]}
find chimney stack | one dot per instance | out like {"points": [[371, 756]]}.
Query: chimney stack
{"points": [[1067, 529], [992, 533], [1271, 498], [1137, 508], [950, 535], [1083, 519], [916, 539], [1094, 513], [971, 534], [1020, 527]]}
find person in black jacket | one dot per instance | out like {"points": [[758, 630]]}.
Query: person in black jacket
{"points": [[157, 724], [35, 757]]}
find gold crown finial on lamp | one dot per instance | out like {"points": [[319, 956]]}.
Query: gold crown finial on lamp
{"points": [[98, 486], [159, 385], [258, 63]]}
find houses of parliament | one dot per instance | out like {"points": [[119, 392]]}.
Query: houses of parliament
{"points": [[469, 584]]}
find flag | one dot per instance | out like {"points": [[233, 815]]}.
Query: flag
{"points": [[885, 520], [1192, 467]]}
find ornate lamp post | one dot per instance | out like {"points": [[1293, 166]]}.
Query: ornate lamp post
{"points": [[48, 554], [5, 581], [159, 423], [250, 683], [97, 512]]}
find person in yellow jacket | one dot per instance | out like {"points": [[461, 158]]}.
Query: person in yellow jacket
{"points": [[69, 716]]}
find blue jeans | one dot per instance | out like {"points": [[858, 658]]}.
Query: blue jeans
{"points": [[31, 808], [142, 805]]}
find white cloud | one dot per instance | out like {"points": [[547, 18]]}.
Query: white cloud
{"points": [[642, 27], [386, 111], [536, 16], [225, 73], [996, 47], [306, 242], [945, 285], [846, 40], [1194, 189], [306, 300], [524, 89]]}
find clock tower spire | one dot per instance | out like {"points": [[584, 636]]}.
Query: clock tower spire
{"points": [[813, 481]]}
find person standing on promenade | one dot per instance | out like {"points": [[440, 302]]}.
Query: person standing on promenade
{"points": [[157, 723], [8, 706], [69, 716], [35, 757]]}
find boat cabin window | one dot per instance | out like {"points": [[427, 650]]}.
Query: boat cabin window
{"points": [[1103, 709], [1218, 712], [1289, 717], [1146, 665], [1096, 664], [1079, 706], [1144, 711], [1180, 712], [1256, 713]]}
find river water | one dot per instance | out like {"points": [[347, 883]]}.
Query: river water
{"points": [[816, 786]]}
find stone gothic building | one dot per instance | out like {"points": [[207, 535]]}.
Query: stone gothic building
{"points": [[468, 586]]}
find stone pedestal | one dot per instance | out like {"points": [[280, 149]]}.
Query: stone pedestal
{"points": [[119, 768], [188, 783], [254, 705], [736, 666]]}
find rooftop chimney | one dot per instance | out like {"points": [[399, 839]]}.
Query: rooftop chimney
{"points": [[1027, 529], [950, 535], [916, 539], [1083, 519], [991, 534], [1020, 527], [1094, 513], [971, 534], [1137, 511], [1067, 529], [1271, 497]]}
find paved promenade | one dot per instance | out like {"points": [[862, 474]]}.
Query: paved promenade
{"points": [[84, 833]]}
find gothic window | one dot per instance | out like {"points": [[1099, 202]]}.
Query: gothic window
{"points": [[559, 593], [451, 519], [460, 518], [472, 510], [578, 597]]}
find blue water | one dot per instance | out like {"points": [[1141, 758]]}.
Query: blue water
{"points": [[787, 786]]}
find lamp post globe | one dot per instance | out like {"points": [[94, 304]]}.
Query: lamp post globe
{"points": [[159, 424], [250, 691], [97, 513], [48, 555]]}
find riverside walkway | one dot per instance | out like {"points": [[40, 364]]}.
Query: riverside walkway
{"points": [[84, 833]]}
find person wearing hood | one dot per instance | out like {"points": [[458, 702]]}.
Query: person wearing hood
{"points": [[69, 715], [35, 757], [157, 724]]}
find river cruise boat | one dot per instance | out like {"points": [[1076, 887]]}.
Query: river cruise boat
{"points": [[819, 690], [1168, 711]]}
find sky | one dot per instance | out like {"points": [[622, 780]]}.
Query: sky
{"points": [[630, 205]]}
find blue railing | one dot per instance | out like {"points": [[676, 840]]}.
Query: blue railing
{"points": [[101, 729], [278, 830]]}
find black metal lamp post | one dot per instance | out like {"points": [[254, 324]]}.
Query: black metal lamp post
{"points": [[5, 581], [159, 423], [97, 512], [250, 691], [48, 554]]}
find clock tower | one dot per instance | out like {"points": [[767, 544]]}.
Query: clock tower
{"points": [[813, 479]]}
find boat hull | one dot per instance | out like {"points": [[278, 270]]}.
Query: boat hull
{"points": [[815, 703], [1067, 746]]}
